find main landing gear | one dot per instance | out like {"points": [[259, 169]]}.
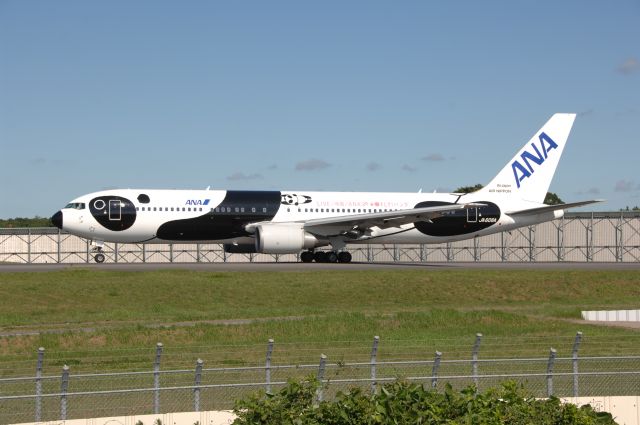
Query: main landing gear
{"points": [[325, 257]]}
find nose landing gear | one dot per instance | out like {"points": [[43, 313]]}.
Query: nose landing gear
{"points": [[97, 248]]}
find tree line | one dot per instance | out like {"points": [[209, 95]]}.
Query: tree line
{"points": [[36, 221]]}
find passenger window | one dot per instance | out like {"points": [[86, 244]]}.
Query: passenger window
{"points": [[253, 209], [264, 210], [242, 209]]}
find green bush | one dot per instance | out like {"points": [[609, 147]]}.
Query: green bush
{"points": [[409, 403]]}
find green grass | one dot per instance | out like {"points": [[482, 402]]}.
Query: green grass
{"points": [[124, 314]]}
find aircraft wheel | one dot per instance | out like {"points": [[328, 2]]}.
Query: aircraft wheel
{"points": [[320, 257], [332, 257], [306, 257], [99, 258], [344, 257]]}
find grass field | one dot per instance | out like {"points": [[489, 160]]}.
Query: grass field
{"points": [[98, 321]]}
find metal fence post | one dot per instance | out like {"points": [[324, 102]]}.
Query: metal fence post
{"points": [[156, 379], [474, 358], [561, 240], [116, 251], [321, 368], [171, 253], [196, 389], [144, 253], [476, 249], [434, 370], [552, 359], [532, 243], [59, 245], [576, 346], [267, 366], [29, 246], [590, 239], [64, 387], [374, 356], [197, 253], [38, 413]]}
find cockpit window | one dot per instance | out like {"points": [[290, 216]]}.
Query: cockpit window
{"points": [[76, 205], [143, 199]]}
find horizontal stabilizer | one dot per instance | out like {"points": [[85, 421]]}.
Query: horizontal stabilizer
{"points": [[557, 207]]}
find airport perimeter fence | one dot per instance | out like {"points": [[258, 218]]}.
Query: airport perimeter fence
{"points": [[583, 237], [69, 395]]}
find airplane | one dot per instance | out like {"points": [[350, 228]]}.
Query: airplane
{"points": [[320, 225]]}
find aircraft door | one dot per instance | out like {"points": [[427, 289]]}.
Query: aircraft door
{"points": [[472, 215], [115, 210]]}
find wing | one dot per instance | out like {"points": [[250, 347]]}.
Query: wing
{"points": [[361, 222], [549, 208]]}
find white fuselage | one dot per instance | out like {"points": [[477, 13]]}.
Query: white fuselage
{"points": [[188, 207]]}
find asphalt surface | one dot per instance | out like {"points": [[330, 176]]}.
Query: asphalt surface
{"points": [[284, 267]]}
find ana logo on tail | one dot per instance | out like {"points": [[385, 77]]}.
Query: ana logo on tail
{"points": [[520, 172]]}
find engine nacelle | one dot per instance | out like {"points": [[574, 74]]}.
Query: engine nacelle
{"points": [[283, 239]]}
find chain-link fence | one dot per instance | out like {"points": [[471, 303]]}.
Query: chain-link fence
{"points": [[69, 394], [597, 237]]}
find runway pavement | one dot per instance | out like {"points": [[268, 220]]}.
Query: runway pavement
{"points": [[297, 267]]}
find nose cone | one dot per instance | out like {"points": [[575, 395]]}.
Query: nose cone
{"points": [[57, 219]]}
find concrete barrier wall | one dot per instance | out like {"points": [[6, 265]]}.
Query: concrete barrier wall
{"points": [[184, 418], [612, 315], [625, 410]]}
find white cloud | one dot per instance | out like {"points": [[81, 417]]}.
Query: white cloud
{"points": [[630, 66], [312, 165], [239, 176], [373, 166], [625, 186], [433, 157]]}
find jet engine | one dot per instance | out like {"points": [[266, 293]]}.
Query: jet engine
{"points": [[283, 239]]}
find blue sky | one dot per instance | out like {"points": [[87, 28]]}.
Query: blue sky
{"points": [[331, 95]]}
